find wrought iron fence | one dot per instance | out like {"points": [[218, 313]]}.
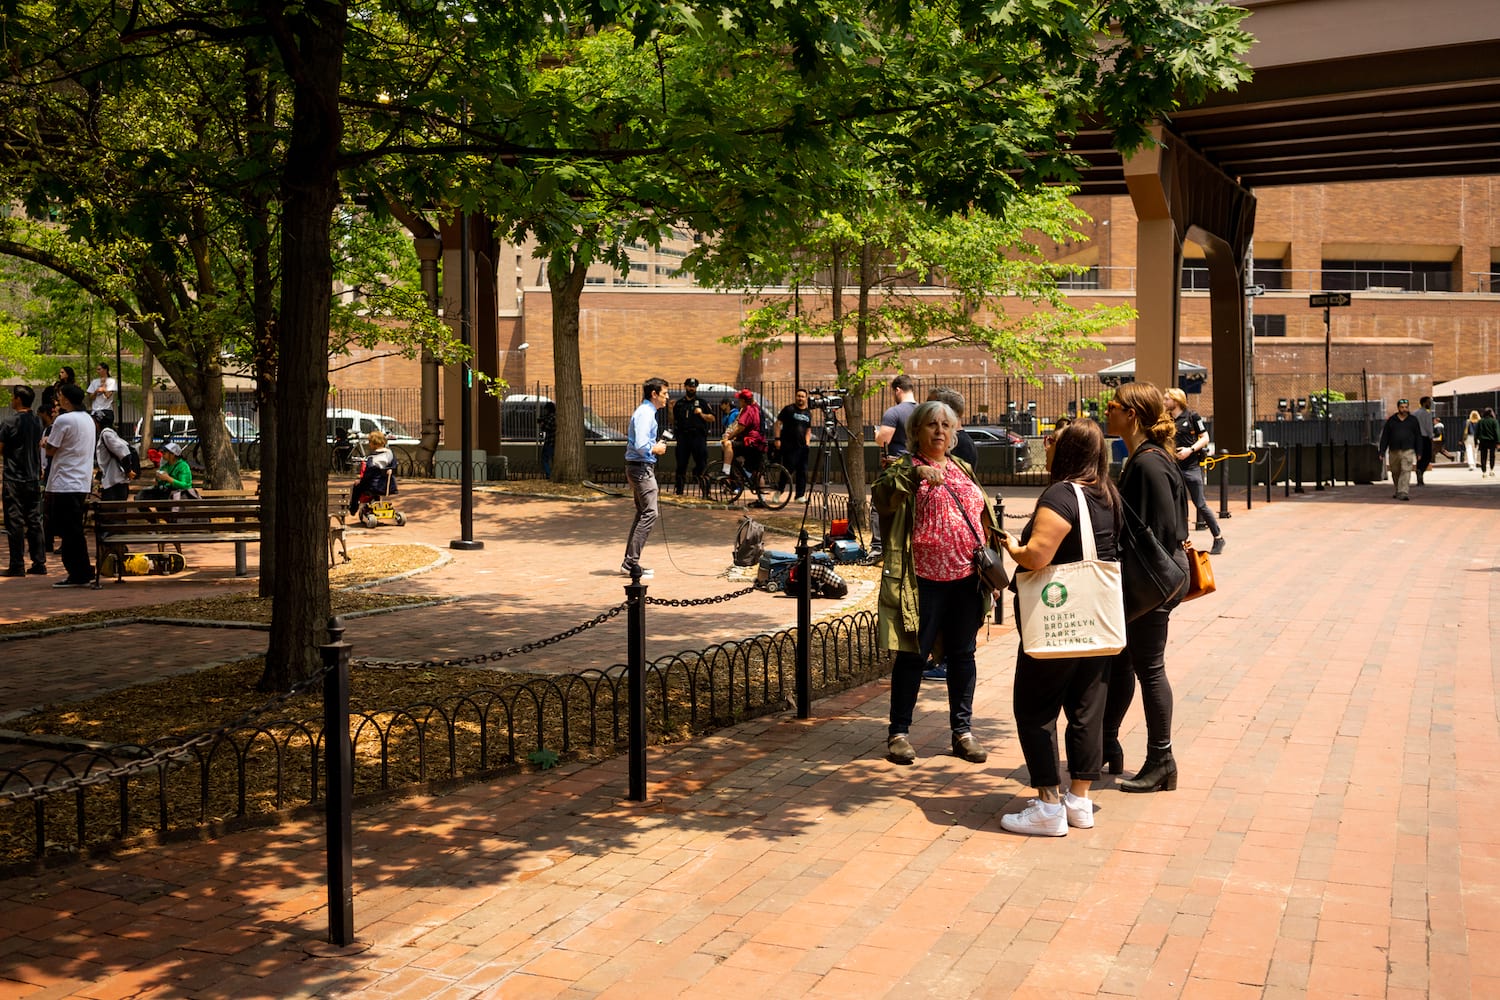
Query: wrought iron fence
{"points": [[255, 769]]}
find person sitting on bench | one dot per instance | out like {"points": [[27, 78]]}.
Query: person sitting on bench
{"points": [[378, 478]]}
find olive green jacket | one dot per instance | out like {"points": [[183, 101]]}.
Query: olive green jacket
{"points": [[892, 493]]}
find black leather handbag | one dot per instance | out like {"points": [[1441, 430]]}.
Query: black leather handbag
{"points": [[1151, 576]]}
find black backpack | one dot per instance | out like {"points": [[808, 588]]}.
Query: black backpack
{"points": [[749, 542], [131, 463]]}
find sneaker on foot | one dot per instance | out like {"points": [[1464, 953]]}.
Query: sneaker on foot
{"points": [[646, 574], [936, 672], [899, 749], [13, 571], [1080, 811], [1039, 819], [967, 747], [1218, 546], [73, 583], [37, 569]]}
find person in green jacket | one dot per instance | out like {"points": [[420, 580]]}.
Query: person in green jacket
{"points": [[933, 516], [173, 473]]}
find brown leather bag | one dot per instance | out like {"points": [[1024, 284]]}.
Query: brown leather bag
{"points": [[1200, 573]]}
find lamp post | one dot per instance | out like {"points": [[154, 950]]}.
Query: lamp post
{"points": [[465, 541]]}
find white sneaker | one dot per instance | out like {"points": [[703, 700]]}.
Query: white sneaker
{"points": [[1039, 819], [646, 574], [1080, 811]]}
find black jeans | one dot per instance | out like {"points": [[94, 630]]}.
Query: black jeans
{"points": [[1079, 688], [1145, 659], [67, 514], [692, 451], [1486, 455], [23, 522], [794, 460], [953, 611]]}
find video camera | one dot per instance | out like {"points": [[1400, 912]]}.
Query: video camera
{"points": [[827, 400]]}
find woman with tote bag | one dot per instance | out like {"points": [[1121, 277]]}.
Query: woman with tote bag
{"points": [[1152, 488], [1077, 686]]}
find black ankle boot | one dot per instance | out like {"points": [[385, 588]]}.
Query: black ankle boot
{"points": [[1157, 774], [1114, 756]]}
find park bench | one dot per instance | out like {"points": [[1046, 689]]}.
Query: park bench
{"points": [[118, 524]]}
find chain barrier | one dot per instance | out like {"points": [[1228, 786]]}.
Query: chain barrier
{"points": [[1209, 463], [464, 661], [694, 602], [167, 755]]}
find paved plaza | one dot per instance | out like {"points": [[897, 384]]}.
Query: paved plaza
{"points": [[1336, 729]]}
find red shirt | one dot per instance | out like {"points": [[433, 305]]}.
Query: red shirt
{"points": [[942, 546]]}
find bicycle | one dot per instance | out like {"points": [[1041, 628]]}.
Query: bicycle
{"points": [[774, 489]]}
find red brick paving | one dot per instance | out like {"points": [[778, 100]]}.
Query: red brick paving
{"points": [[1335, 722]]}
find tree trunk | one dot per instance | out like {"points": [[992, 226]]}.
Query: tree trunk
{"points": [[565, 274], [314, 42]]}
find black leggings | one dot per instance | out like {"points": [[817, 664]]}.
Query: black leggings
{"points": [[1486, 455], [1143, 659]]}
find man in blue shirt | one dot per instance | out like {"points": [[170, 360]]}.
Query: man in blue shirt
{"points": [[641, 449]]}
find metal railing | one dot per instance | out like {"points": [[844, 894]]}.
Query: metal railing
{"points": [[263, 765]]}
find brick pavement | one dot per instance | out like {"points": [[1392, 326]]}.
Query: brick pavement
{"points": [[1337, 729]]}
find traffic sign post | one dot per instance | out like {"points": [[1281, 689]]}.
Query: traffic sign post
{"points": [[1327, 301]]}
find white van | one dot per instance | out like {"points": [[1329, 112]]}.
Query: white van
{"points": [[359, 424]]}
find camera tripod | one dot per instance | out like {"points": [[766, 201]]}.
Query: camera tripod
{"points": [[828, 448]]}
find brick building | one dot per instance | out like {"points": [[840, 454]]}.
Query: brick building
{"points": [[1420, 257]]}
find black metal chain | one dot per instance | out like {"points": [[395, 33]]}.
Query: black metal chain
{"points": [[167, 755], [464, 661], [693, 602]]}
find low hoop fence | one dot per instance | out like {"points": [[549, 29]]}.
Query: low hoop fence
{"points": [[267, 765]]}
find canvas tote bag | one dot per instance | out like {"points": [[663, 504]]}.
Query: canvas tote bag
{"points": [[1073, 609]]}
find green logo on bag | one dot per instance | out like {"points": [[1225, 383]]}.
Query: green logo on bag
{"points": [[1054, 595]]}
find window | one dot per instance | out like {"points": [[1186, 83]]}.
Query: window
{"points": [[1388, 275], [1085, 279], [1195, 276], [1268, 326]]}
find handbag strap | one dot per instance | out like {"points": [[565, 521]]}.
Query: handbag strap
{"points": [[1085, 525], [957, 502]]}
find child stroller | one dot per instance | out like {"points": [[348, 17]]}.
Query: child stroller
{"points": [[370, 499]]}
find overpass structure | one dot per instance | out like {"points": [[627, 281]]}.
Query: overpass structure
{"points": [[1344, 90]]}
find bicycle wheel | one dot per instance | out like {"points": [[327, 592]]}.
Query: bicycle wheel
{"points": [[776, 486], [726, 489]]}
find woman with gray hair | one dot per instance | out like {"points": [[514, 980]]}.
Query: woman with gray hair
{"points": [[931, 598]]}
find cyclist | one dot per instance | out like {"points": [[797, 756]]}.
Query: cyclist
{"points": [[746, 430]]}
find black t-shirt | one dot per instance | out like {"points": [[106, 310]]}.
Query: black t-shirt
{"points": [[965, 448], [686, 420], [1190, 427], [22, 437], [1059, 497], [795, 424]]}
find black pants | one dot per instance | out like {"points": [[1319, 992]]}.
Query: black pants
{"points": [[951, 611], [794, 460], [694, 451], [67, 514], [1079, 688], [1486, 455], [23, 522], [1145, 659]]}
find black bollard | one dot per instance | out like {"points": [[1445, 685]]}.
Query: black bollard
{"points": [[804, 628], [635, 597], [1299, 468], [338, 765], [1224, 514]]}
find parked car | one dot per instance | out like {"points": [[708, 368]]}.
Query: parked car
{"points": [[181, 427], [518, 416], [999, 437], [359, 424]]}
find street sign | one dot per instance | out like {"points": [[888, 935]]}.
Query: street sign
{"points": [[1322, 300]]}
